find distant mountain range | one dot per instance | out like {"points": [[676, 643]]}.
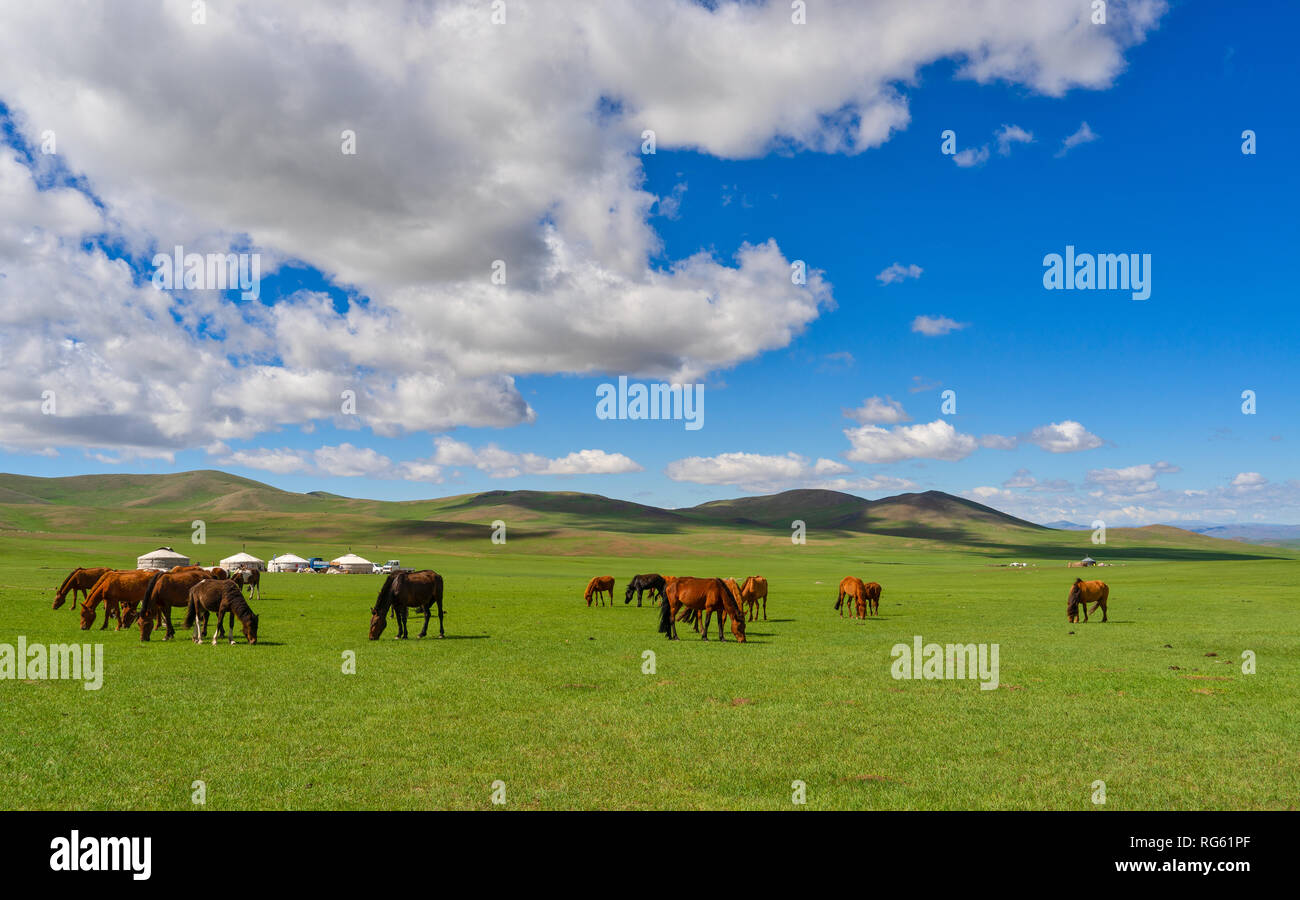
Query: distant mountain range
{"points": [[1268, 535]]}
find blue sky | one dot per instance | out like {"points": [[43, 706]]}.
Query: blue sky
{"points": [[1142, 397]]}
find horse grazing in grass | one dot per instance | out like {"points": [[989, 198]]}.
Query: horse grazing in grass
{"points": [[402, 591], [707, 595], [79, 581], [872, 598], [250, 578], [1081, 594], [600, 585], [220, 597], [165, 590], [852, 588], [654, 583], [751, 592], [120, 591]]}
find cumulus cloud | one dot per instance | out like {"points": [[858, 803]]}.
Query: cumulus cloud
{"points": [[875, 411], [758, 472], [1249, 480], [499, 463], [936, 326], [899, 272], [1139, 479], [931, 440], [1064, 437], [534, 131], [971, 157]]}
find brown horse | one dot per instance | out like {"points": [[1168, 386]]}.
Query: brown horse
{"points": [[401, 591], [872, 598], [165, 590], [600, 585], [79, 581], [118, 590], [751, 592], [1081, 594], [852, 588], [707, 595], [252, 578], [220, 597]]}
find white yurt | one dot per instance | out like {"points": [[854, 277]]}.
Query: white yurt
{"points": [[353, 564], [162, 559], [286, 562], [243, 560]]}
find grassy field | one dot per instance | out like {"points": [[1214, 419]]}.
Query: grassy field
{"points": [[536, 690]]}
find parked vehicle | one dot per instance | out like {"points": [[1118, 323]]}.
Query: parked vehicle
{"points": [[389, 567], [317, 564]]}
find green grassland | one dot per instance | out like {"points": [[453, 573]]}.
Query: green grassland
{"points": [[536, 690]]}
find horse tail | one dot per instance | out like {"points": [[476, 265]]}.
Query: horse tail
{"points": [[665, 617], [145, 605], [437, 590], [840, 600], [191, 612]]}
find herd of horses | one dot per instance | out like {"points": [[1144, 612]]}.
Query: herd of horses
{"points": [[147, 596]]}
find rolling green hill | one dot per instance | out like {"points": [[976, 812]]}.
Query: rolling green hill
{"points": [[239, 512]]}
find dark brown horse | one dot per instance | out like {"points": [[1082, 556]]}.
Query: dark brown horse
{"points": [[852, 588], [751, 592], [250, 578], [873, 592], [401, 591], [165, 590], [220, 597], [79, 581], [707, 595], [120, 592], [1081, 594], [653, 582], [600, 585]]}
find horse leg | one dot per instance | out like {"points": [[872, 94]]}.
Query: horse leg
{"points": [[706, 614], [765, 607], [722, 618], [440, 631], [428, 608], [167, 617]]}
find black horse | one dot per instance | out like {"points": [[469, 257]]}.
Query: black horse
{"points": [[653, 583]]}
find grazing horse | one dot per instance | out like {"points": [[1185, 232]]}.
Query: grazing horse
{"points": [[654, 583], [118, 590], [1081, 594], [401, 591], [220, 597], [599, 585], [753, 590], [873, 592], [165, 590], [707, 595], [79, 581], [250, 577], [852, 588]]}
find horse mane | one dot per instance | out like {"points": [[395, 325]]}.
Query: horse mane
{"points": [[385, 596], [63, 588], [148, 593], [238, 605]]}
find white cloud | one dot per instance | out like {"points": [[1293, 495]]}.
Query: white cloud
{"points": [[899, 272], [971, 157], [754, 471], [528, 169], [1084, 135], [936, 326], [1139, 479], [932, 440], [999, 441], [1249, 480], [499, 463], [1064, 437], [875, 411], [1012, 134]]}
